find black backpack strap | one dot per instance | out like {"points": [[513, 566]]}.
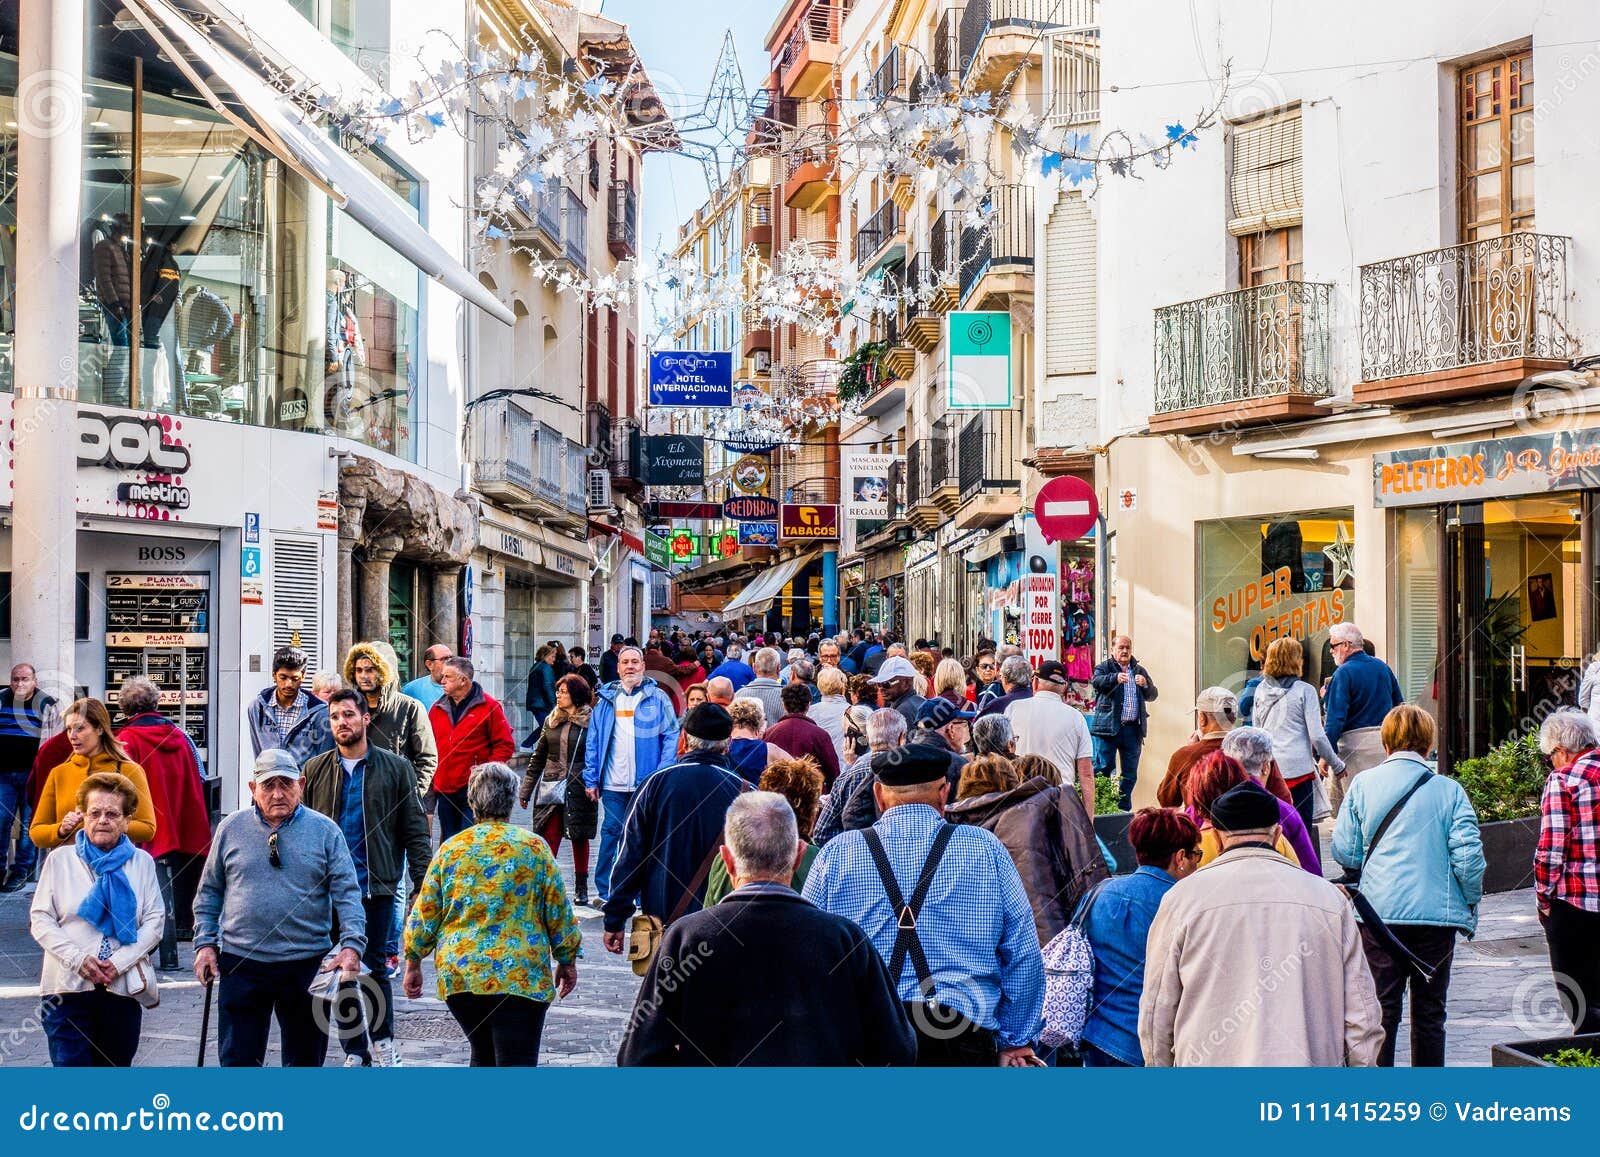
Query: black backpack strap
{"points": [[906, 941]]}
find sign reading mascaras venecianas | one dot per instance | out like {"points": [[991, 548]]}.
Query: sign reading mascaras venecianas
{"points": [[1490, 468]]}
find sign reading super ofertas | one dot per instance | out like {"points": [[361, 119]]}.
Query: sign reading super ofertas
{"points": [[691, 378], [1489, 468]]}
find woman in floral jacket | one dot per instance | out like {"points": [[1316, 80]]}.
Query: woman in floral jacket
{"points": [[494, 911]]}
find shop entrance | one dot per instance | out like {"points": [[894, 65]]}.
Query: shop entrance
{"points": [[1516, 615]]}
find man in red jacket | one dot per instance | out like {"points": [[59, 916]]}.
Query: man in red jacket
{"points": [[183, 829], [469, 728], [800, 735]]}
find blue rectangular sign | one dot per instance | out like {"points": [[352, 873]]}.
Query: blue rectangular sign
{"points": [[758, 534], [691, 378]]}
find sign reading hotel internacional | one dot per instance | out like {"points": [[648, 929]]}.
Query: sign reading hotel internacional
{"points": [[691, 378], [1489, 468], [806, 523], [867, 495], [750, 508], [979, 371]]}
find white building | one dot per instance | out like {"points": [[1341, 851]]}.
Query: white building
{"points": [[1330, 337]]}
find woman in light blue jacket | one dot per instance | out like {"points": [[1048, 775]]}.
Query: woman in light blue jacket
{"points": [[1424, 878]]}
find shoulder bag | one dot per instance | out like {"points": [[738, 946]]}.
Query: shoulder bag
{"points": [[1351, 882], [553, 792], [1069, 979], [645, 931]]}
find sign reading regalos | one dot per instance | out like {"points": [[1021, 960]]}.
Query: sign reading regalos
{"points": [[750, 508], [1271, 595], [1490, 468], [691, 378], [803, 523]]}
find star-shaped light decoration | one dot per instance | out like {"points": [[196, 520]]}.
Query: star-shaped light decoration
{"points": [[1340, 555]]}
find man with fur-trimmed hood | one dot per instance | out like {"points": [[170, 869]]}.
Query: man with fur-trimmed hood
{"points": [[399, 723]]}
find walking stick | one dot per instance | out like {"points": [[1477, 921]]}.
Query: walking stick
{"points": [[205, 1027]]}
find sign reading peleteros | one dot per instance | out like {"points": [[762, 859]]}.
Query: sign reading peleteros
{"points": [[1490, 468]]}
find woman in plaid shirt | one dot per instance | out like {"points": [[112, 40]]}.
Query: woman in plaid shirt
{"points": [[1567, 865]]}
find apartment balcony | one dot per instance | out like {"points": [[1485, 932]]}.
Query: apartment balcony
{"points": [[944, 260], [576, 250], [757, 337], [997, 35], [627, 456], [623, 222], [1243, 358], [930, 477], [805, 67], [598, 428], [526, 465], [996, 259], [811, 171], [1464, 320], [773, 114], [1072, 72], [814, 380], [881, 240], [923, 322], [891, 80], [821, 491], [989, 448], [758, 225], [540, 219]]}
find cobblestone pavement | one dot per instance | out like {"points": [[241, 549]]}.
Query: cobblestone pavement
{"points": [[1500, 990]]}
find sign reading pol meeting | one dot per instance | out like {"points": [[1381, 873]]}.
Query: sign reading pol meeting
{"points": [[691, 378]]}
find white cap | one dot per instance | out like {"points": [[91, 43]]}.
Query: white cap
{"points": [[894, 667]]}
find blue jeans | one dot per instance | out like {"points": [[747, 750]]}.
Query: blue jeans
{"points": [[1130, 744], [615, 804], [455, 814], [93, 1029], [14, 806], [1098, 1058]]}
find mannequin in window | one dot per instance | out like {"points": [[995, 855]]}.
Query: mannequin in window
{"points": [[346, 349], [113, 289]]}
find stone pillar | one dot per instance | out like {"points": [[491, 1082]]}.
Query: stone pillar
{"points": [[444, 624], [380, 552], [352, 508], [49, 169]]}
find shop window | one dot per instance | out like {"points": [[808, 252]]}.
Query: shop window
{"points": [[1267, 577], [80, 630]]}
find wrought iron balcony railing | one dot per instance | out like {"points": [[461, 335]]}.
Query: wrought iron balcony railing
{"points": [[980, 17], [990, 453], [819, 25], [577, 231], [1250, 343], [1485, 301], [622, 224], [889, 81], [874, 235], [1005, 237]]}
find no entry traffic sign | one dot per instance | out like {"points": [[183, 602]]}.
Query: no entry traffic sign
{"points": [[1066, 509]]}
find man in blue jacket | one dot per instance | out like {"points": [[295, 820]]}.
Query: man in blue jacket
{"points": [[674, 828], [734, 669], [1363, 690], [633, 732], [287, 716]]}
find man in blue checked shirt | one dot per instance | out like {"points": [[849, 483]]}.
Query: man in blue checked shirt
{"points": [[943, 905]]}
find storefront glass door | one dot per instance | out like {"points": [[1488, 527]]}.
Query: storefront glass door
{"points": [[1516, 616]]}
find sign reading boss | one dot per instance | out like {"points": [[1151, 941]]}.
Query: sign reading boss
{"points": [[128, 444]]}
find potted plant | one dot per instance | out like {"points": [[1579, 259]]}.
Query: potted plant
{"points": [[1504, 786], [862, 372], [1560, 1052], [1111, 823]]}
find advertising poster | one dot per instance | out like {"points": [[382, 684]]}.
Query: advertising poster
{"points": [[758, 534], [1041, 596], [868, 481]]}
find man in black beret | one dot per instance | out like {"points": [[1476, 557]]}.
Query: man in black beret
{"points": [[1252, 943], [674, 828]]}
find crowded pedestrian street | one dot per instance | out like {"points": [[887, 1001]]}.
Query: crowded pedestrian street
{"points": [[889, 535]]}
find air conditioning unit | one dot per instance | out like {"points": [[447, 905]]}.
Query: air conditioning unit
{"points": [[763, 360], [599, 489]]}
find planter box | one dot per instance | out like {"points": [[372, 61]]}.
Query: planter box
{"points": [[1113, 832], [1508, 847], [1530, 1054]]}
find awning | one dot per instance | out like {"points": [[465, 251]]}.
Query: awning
{"points": [[768, 585], [283, 130]]}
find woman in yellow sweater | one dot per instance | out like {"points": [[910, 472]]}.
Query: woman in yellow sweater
{"points": [[57, 819]]}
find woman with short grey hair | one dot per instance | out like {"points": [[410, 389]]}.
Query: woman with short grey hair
{"points": [[325, 683], [494, 907], [138, 695], [992, 735]]}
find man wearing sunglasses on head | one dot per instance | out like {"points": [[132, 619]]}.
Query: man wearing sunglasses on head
{"points": [[277, 876]]}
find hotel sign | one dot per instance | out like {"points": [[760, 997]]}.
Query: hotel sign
{"points": [[1489, 468]]}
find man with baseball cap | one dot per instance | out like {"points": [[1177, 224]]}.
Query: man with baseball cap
{"points": [[1216, 711], [1047, 725], [277, 875], [1252, 931], [943, 905], [944, 727], [674, 828], [898, 678]]}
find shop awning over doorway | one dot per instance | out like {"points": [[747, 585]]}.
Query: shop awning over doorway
{"points": [[756, 598], [278, 126]]}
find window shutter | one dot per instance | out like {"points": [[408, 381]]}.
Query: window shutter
{"points": [[1419, 633], [1265, 185], [297, 595], [1070, 313]]}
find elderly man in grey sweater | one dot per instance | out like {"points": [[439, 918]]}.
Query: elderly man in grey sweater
{"points": [[277, 888]]}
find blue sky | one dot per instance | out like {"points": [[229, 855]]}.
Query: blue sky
{"points": [[679, 41]]}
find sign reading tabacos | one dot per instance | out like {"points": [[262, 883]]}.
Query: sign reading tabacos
{"points": [[1271, 593]]}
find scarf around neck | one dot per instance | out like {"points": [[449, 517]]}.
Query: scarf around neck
{"points": [[110, 905]]}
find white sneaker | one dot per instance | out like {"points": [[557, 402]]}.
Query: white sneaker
{"points": [[385, 1055], [354, 1061]]}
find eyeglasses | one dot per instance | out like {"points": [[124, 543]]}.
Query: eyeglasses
{"points": [[272, 851]]}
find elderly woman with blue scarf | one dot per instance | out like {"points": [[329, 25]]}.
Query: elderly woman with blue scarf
{"points": [[98, 915]]}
